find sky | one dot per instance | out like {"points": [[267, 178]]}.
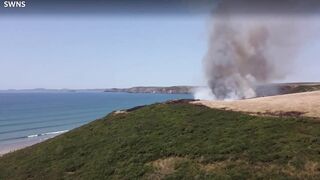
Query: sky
{"points": [[102, 51]]}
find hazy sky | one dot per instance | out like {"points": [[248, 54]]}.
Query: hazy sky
{"points": [[114, 51]]}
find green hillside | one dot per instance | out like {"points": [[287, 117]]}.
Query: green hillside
{"points": [[175, 141]]}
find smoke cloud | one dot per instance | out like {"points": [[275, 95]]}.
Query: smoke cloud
{"points": [[247, 50]]}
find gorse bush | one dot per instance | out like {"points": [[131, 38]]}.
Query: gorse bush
{"points": [[175, 141]]}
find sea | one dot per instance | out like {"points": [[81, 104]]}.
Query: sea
{"points": [[29, 116]]}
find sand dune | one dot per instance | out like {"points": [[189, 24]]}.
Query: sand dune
{"points": [[308, 104]]}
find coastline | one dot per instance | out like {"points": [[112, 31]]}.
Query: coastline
{"points": [[14, 146], [34, 117], [109, 142]]}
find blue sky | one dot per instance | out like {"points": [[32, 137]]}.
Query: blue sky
{"points": [[93, 52], [113, 51]]}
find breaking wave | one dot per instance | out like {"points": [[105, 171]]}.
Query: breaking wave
{"points": [[35, 135]]}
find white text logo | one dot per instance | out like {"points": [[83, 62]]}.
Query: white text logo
{"points": [[14, 4]]}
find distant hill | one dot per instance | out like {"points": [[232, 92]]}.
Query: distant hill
{"points": [[175, 140], [153, 89], [43, 90], [261, 90], [286, 88]]}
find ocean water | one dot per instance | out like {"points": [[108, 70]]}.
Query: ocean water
{"points": [[26, 116]]}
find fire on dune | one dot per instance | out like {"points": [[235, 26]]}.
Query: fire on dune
{"points": [[247, 50]]}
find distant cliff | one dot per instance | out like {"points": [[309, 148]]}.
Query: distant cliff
{"points": [[146, 89], [262, 90]]}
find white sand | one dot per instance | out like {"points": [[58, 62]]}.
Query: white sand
{"points": [[6, 148], [16, 146]]}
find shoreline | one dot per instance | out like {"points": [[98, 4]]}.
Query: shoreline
{"points": [[14, 146]]}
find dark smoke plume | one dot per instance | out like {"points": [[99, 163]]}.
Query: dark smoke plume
{"points": [[246, 50]]}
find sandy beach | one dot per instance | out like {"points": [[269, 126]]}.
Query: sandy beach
{"points": [[16, 146], [10, 147]]}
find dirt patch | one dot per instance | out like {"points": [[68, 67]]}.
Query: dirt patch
{"points": [[294, 105], [283, 113], [167, 166], [126, 111], [163, 167], [120, 112]]}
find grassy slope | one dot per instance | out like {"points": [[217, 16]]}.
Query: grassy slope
{"points": [[206, 143]]}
